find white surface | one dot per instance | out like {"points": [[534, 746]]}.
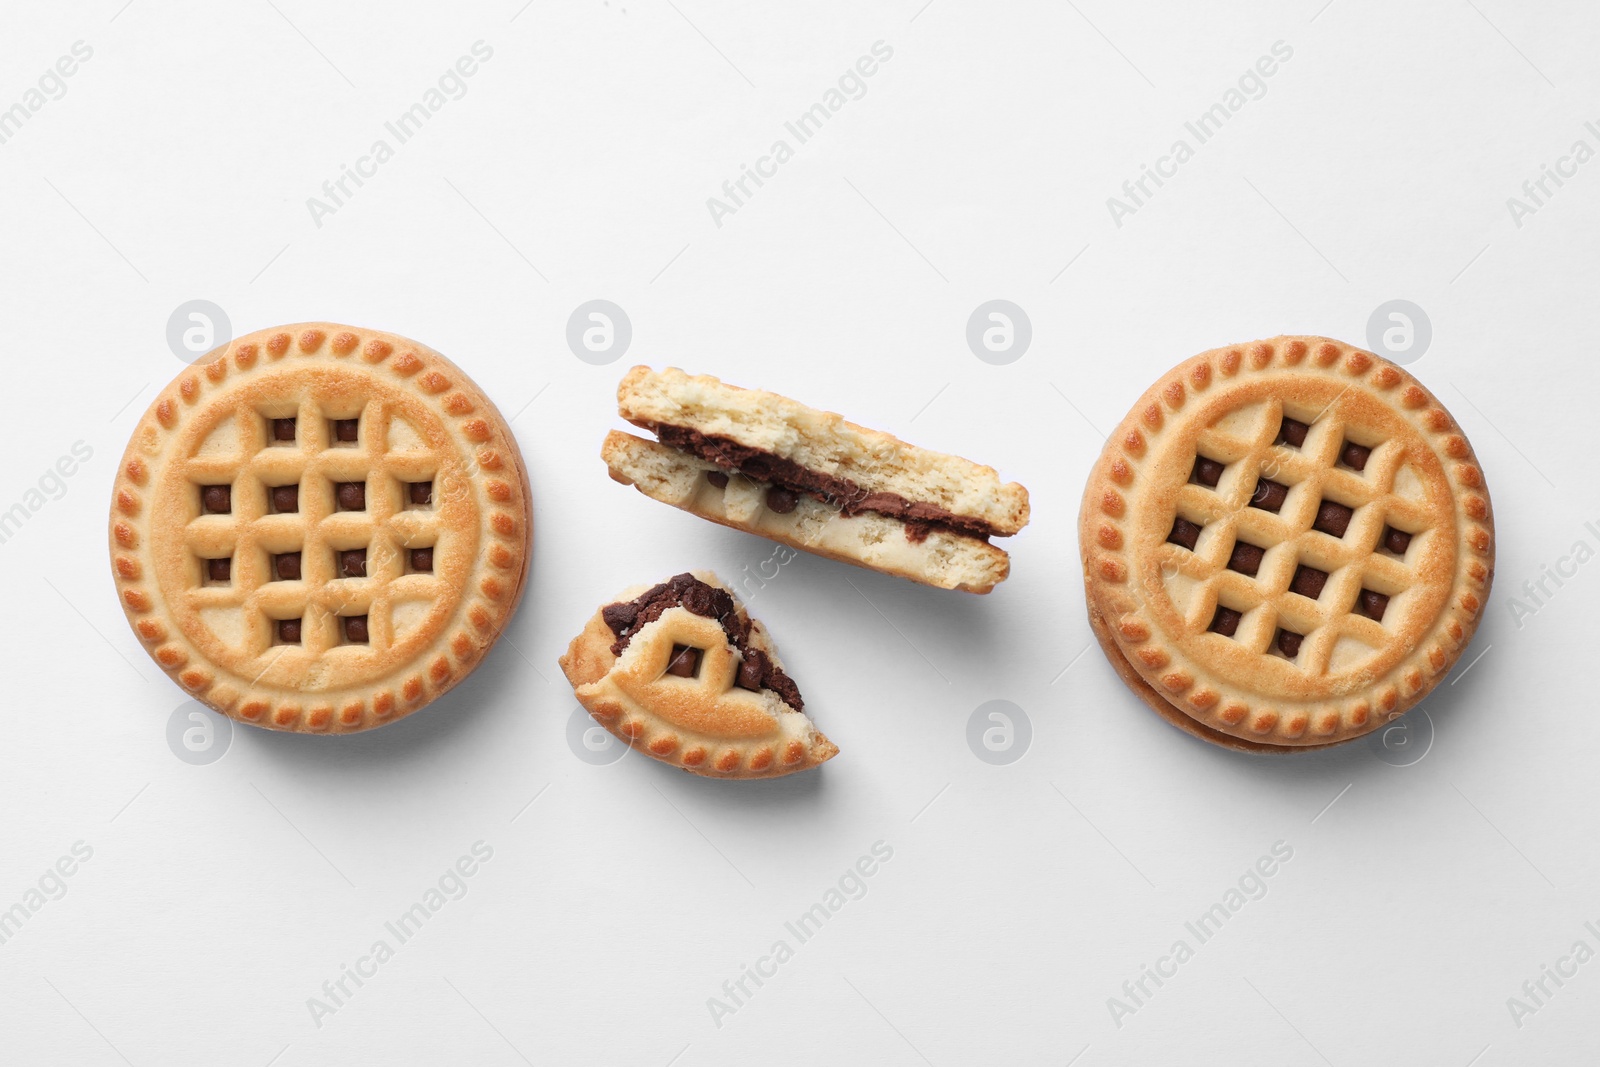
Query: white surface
{"points": [[977, 165]]}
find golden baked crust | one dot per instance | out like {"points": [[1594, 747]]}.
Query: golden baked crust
{"points": [[942, 559], [1158, 601], [703, 724], [419, 420], [1166, 708]]}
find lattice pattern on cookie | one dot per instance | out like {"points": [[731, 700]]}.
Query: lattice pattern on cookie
{"points": [[1285, 550], [208, 601], [1286, 602], [297, 565]]}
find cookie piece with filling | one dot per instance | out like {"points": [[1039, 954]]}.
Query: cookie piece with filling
{"points": [[682, 673], [768, 465]]}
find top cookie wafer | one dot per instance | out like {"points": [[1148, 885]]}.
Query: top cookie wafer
{"points": [[1289, 542], [320, 528]]}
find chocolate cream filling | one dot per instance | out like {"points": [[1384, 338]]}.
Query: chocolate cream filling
{"points": [[851, 499], [756, 669]]}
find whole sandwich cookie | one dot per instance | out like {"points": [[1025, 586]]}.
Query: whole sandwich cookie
{"points": [[771, 466], [1285, 544], [682, 673], [320, 528]]}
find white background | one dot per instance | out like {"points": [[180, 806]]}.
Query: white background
{"points": [[977, 165]]}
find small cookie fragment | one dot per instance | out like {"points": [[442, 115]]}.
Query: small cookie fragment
{"points": [[680, 669]]}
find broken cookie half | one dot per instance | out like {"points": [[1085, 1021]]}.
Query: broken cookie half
{"points": [[771, 466], [682, 673]]}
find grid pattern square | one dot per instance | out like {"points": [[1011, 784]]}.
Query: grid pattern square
{"points": [[1282, 538], [317, 565]]}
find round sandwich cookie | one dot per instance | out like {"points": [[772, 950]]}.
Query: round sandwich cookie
{"points": [[1286, 544], [319, 528]]}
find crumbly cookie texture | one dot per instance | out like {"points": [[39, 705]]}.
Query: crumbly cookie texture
{"points": [[702, 722], [821, 441], [319, 528], [942, 559], [1287, 544]]}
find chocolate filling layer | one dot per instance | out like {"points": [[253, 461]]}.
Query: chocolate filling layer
{"points": [[850, 498], [756, 671]]}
